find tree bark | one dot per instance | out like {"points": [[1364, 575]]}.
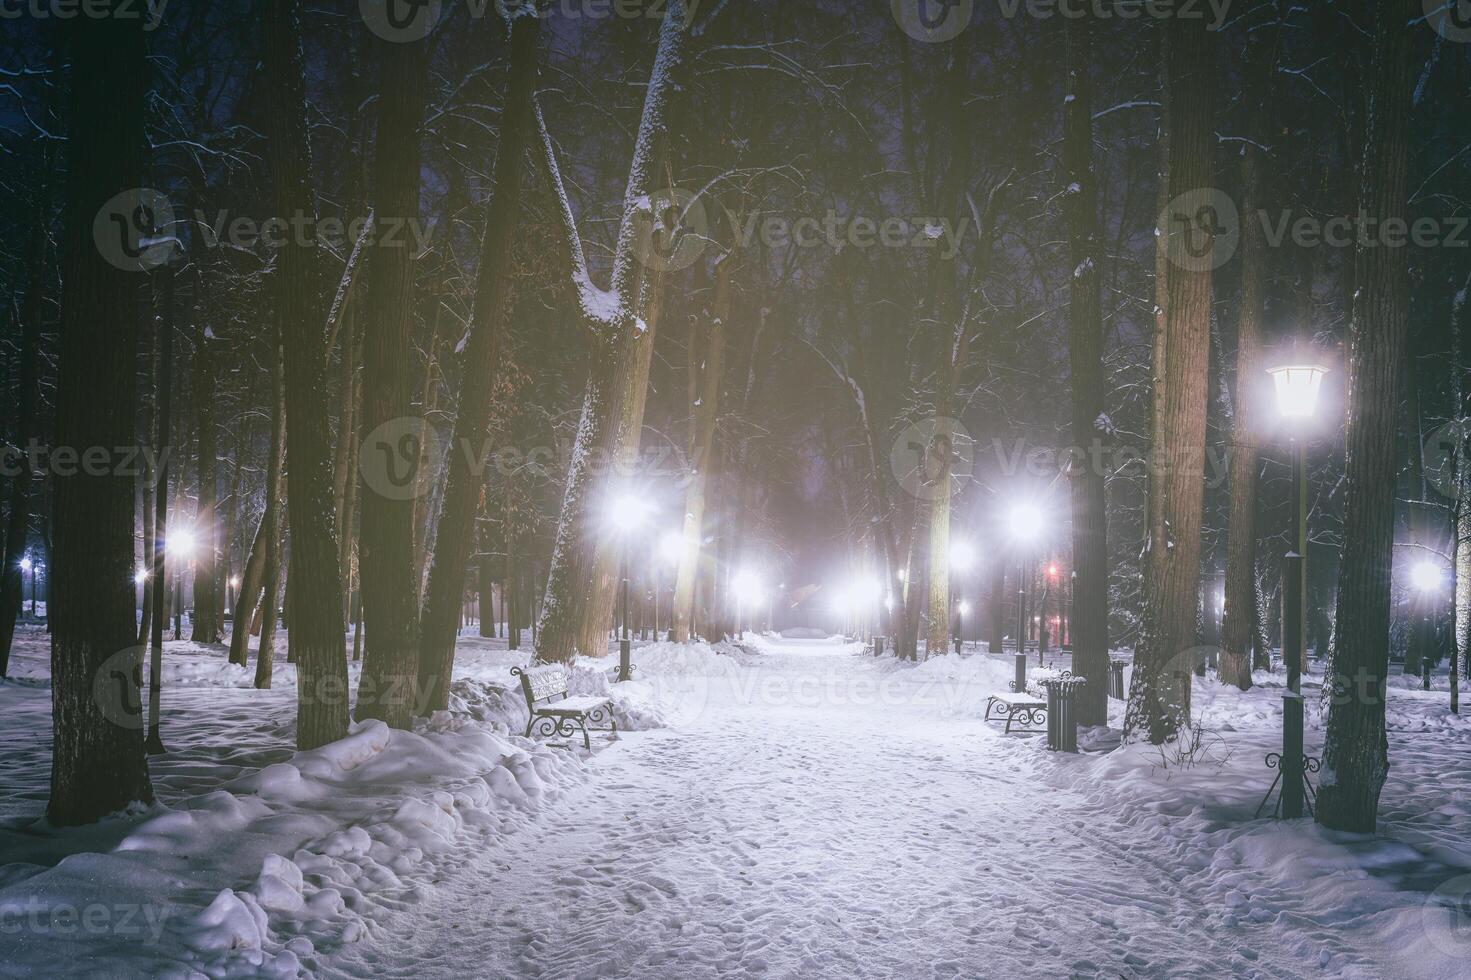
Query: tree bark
{"points": [[949, 314], [252, 579], [386, 561], [317, 631], [707, 369], [1159, 696], [206, 530], [98, 765], [1089, 626], [1355, 752], [569, 580], [1244, 459], [455, 540], [28, 397]]}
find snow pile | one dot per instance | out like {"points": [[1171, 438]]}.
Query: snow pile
{"points": [[474, 782]]}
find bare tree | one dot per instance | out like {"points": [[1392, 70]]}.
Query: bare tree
{"points": [[1355, 749], [98, 765], [1159, 695], [317, 634]]}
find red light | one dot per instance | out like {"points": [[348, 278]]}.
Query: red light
{"points": [[1052, 570]]}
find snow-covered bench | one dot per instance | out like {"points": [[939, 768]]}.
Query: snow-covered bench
{"points": [[552, 711], [1018, 706]]}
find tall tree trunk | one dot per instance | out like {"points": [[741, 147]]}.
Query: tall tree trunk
{"points": [[630, 395], [150, 494], [166, 587], [569, 580], [252, 579], [1159, 696], [97, 764], [1089, 625], [1355, 752], [265, 657], [707, 369], [28, 396], [386, 562], [1461, 647], [206, 529], [455, 540], [317, 631], [1244, 460], [949, 313]]}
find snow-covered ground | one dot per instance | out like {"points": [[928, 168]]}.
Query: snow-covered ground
{"points": [[790, 808]]}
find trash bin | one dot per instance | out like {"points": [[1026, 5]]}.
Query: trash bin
{"points": [[1062, 726]]}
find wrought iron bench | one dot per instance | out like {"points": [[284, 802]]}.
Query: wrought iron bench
{"points": [[1026, 708], [553, 712]]}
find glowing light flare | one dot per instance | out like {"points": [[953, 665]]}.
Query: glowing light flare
{"points": [[1297, 388], [748, 588], [25, 565], [964, 607], [140, 576], [180, 542], [627, 512], [671, 547], [1427, 576], [1026, 522], [962, 556]]}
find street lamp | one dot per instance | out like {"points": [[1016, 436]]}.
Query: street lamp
{"points": [[625, 514], [1427, 577], [1025, 526], [1297, 384], [747, 588], [28, 568], [181, 544], [671, 549]]}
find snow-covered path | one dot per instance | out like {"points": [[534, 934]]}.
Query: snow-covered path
{"points": [[821, 818]]}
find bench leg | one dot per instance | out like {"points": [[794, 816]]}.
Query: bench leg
{"points": [[586, 743], [990, 703], [529, 722], [1009, 716]]}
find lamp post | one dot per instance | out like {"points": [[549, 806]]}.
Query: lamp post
{"points": [[1025, 525], [670, 550], [1427, 578], [962, 557], [26, 568], [748, 592], [181, 544], [1297, 384], [626, 514]]}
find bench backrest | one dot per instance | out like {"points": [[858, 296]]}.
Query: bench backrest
{"points": [[546, 682]]}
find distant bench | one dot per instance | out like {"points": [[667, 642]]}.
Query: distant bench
{"points": [[553, 712]]}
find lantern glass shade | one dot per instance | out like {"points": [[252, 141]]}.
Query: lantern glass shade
{"points": [[1297, 389]]}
